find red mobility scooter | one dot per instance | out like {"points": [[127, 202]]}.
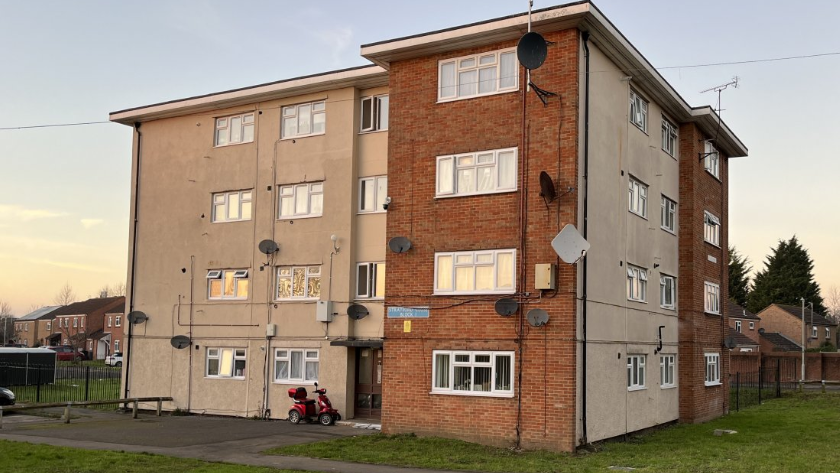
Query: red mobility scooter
{"points": [[308, 409]]}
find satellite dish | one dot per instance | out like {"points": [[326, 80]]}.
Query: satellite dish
{"points": [[730, 343], [399, 244], [761, 331], [531, 50], [357, 311], [547, 191], [136, 317], [569, 245], [180, 341], [268, 247], [506, 307], [537, 317]]}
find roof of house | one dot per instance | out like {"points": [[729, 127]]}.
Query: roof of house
{"points": [[779, 341], [741, 339], [42, 313], [795, 311], [96, 335], [120, 309], [88, 306], [735, 310]]}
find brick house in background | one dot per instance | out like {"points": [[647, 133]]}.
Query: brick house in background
{"points": [[776, 342], [76, 323], [743, 321], [112, 342], [34, 328], [787, 320]]}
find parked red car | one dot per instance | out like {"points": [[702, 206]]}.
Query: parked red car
{"points": [[67, 353]]}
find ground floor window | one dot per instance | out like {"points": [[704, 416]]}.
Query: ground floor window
{"points": [[479, 373], [667, 367], [635, 372], [712, 369], [226, 363], [296, 365]]}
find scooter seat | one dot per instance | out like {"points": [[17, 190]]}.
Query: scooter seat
{"points": [[305, 401]]}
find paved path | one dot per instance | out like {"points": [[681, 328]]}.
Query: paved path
{"points": [[230, 440]]}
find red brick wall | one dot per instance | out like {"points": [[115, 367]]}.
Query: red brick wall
{"points": [[699, 332], [421, 129], [818, 366], [775, 319]]}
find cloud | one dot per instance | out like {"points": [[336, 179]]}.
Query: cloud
{"points": [[89, 223], [23, 214], [337, 40]]}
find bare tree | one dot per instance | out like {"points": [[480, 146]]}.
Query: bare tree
{"points": [[832, 301], [118, 289], [65, 296], [7, 322], [34, 307]]}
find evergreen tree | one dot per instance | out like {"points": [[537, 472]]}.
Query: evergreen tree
{"points": [[739, 281], [787, 276]]}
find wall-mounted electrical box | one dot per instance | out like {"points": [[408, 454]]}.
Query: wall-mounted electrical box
{"points": [[323, 311], [544, 276], [271, 330]]}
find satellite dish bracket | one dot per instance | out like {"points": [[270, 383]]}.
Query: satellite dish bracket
{"points": [[542, 94]]}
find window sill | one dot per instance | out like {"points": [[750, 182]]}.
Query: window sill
{"points": [[233, 144], [368, 132], [302, 299], [671, 155], [713, 314], [639, 127], [302, 136], [668, 230], [638, 214], [639, 388], [637, 300], [673, 309], [295, 382], [369, 212], [670, 386], [231, 299], [717, 178], [477, 96], [473, 293], [716, 245], [473, 194], [474, 394], [231, 378], [232, 221], [369, 299], [299, 217], [717, 383]]}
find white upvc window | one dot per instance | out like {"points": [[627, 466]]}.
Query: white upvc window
{"points": [[82, 322], [813, 331], [712, 298], [49, 326], [109, 321], [481, 74], [234, 130], [636, 283], [305, 119], [711, 229], [827, 333], [668, 215], [298, 365], [227, 284], [374, 113], [226, 363], [638, 197], [752, 325], [372, 194], [75, 322], [301, 200], [232, 206], [712, 159], [669, 137], [667, 292], [638, 111], [117, 320], [667, 369], [635, 372], [116, 346], [475, 272], [738, 326], [473, 373], [370, 280], [482, 172], [712, 369], [298, 282], [26, 327]]}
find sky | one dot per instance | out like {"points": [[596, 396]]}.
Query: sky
{"points": [[64, 192]]}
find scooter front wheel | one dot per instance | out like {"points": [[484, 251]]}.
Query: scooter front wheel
{"points": [[325, 419], [294, 416]]}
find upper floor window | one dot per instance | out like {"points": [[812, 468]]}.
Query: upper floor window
{"points": [[827, 333], [232, 206], [109, 321], [712, 298], [302, 200], [635, 372], [638, 111], [372, 194], [669, 137], [481, 74], [711, 229], [483, 172], [116, 346], [814, 331], [667, 291], [26, 327], [298, 282], [638, 197], [117, 320], [475, 272], [304, 120], [370, 280], [227, 284], [472, 373], [235, 129], [752, 325], [375, 113], [226, 363], [712, 369], [712, 160], [738, 326], [49, 326], [636, 283], [75, 322], [669, 215]]}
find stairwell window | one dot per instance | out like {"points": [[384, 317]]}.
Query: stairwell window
{"points": [[227, 284], [481, 74], [117, 321], [232, 206], [298, 282], [301, 200], [482, 172], [296, 365], [712, 298], [475, 272], [234, 130], [669, 137], [306, 119], [370, 280], [636, 283], [374, 113], [738, 326], [638, 111], [473, 373], [667, 292], [636, 372], [372, 194], [667, 367], [668, 215], [711, 229], [712, 159], [712, 369], [226, 363], [638, 193]]}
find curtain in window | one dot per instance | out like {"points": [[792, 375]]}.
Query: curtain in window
{"points": [[503, 373], [442, 371], [504, 263], [508, 70], [447, 80], [311, 370], [444, 273]]}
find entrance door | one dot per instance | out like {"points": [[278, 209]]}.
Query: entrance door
{"points": [[368, 382]]}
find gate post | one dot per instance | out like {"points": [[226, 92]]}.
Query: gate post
{"points": [[737, 391], [87, 382], [38, 385]]}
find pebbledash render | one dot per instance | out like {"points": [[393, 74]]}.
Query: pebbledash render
{"points": [[636, 332], [441, 142]]}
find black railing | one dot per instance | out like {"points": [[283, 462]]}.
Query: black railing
{"points": [[62, 383], [750, 389]]}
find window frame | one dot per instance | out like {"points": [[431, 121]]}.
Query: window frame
{"points": [[668, 210], [636, 372], [738, 326], [473, 364], [711, 228], [304, 359], [640, 275], [118, 320], [375, 113], [378, 200], [443, 190], [117, 348], [307, 276], [638, 197], [296, 116], [711, 160], [670, 138], [234, 358], [218, 126], [663, 288], [373, 272], [712, 360], [459, 69], [708, 307], [667, 369], [225, 206], [109, 321], [752, 325], [497, 289], [637, 100], [294, 195], [814, 332], [238, 275]]}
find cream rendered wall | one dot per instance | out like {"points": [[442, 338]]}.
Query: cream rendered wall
{"points": [[617, 327]]}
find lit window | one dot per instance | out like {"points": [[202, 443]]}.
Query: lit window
{"points": [[636, 283], [235, 130], [483, 172], [638, 111], [635, 372], [475, 272], [482, 74], [302, 200], [296, 365], [304, 120], [370, 280], [375, 113], [667, 292], [712, 298], [298, 282], [226, 363], [232, 206], [712, 159], [372, 194], [712, 369], [227, 284], [667, 366], [738, 326], [669, 215], [711, 229], [669, 137], [638, 197], [472, 373]]}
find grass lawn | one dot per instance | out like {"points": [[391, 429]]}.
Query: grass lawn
{"points": [[26, 457], [792, 434]]}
